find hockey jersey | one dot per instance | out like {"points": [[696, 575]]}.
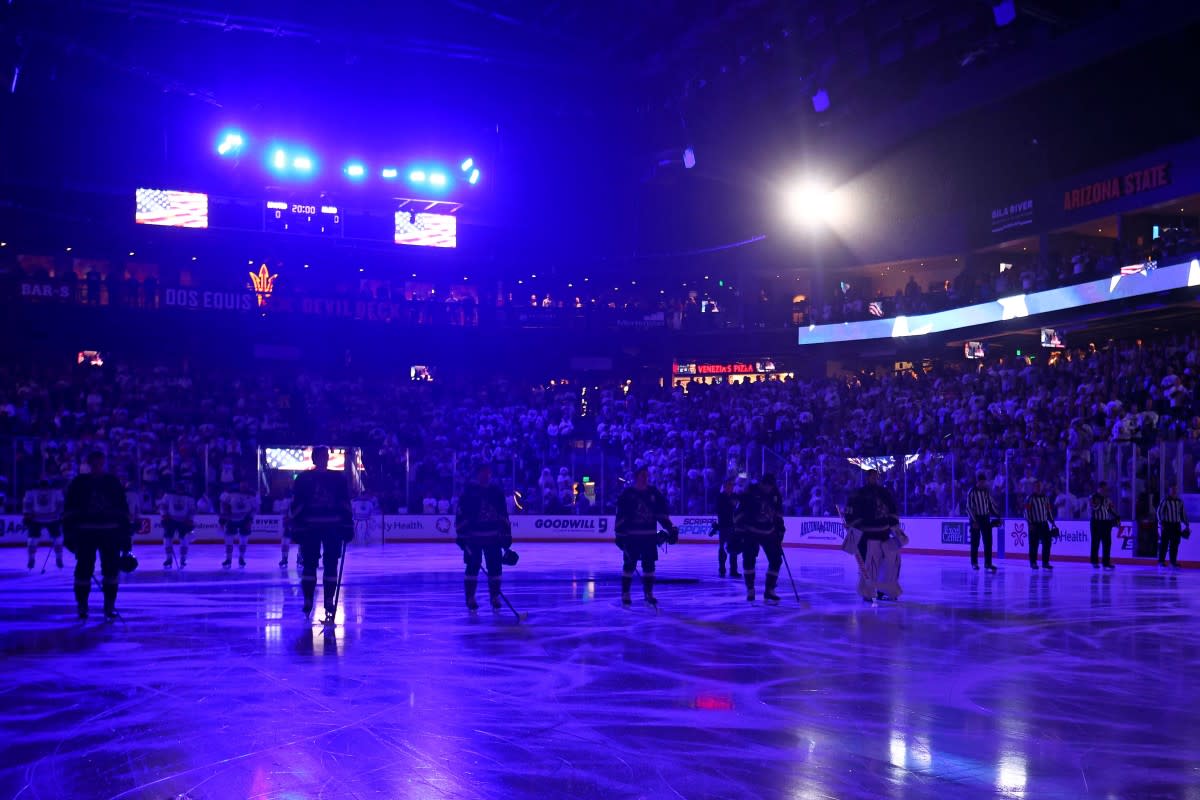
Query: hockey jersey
{"points": [[320, 498], [236, 506], [482, 511], [178, 507], [639, 512], [44, 505]]}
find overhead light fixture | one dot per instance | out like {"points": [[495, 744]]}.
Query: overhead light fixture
{"points": [[230, 143]]}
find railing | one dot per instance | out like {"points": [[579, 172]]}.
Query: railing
{"points": [[553, 481]]}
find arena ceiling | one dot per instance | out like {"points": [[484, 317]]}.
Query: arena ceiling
{"points": [[674, 62], [594, 97]]}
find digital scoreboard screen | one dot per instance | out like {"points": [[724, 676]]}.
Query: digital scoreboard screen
{"points": [[407, 222], [423, 229], [171, 208], [283, 216]]}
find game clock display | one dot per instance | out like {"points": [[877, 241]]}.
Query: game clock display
{"points": [[305, 218]]}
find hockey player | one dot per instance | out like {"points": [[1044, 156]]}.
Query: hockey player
{"points": [[871, 510], [321, 522], [43, 509], [641, 509], [727, 539], [178, 511], [237, 517], [483, 531], [96, 520], [283, 507], [759, 524]]}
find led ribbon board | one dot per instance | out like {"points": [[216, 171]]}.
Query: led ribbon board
{"points": [[1134, 283]]}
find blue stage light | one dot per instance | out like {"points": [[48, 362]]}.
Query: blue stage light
{"points": [[230, 143], [302, 163], [355, 170], [416, 176], [466, 165], [279, 159], [389, 173], [437, 179], [474, 179]]}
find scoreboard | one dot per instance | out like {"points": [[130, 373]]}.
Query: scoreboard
{"points": [[406, 222], [283, 216]]}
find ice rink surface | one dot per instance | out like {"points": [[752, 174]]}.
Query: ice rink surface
{"points": [[1076, 684]]}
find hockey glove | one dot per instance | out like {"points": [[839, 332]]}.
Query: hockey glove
{"points": [[673, 535]]}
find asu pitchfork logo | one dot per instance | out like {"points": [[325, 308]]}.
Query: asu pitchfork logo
{"points": [[263, 283], [1019, 535]]}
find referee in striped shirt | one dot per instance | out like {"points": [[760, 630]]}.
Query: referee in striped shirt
{"points": [[1039, 514], [983, 512], [1104, 519], [1171, 519]]}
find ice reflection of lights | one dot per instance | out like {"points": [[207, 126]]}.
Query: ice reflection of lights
{"points": [[921, 754], [897, 752], [1011, 775], [272, 633]]}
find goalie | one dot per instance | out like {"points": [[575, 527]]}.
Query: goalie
{"points": [[874, 537]]}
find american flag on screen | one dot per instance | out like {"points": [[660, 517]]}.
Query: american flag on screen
{"points": [[171, 207], [876, 308], [426, 230], [1139, 269]]}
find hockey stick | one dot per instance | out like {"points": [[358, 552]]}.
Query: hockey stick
{"points": [[337, 590], [46, 560], [520, 615], [789, 572]]}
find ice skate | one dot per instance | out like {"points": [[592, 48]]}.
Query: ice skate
{"points": [[32, 562], [769, 595], [227, 563], [168, 562], [283, 562], [241, 562], [330, 619], [58, 562], [626, 600]]}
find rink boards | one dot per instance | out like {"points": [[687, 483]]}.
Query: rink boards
{"points": [[927, 535]]}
